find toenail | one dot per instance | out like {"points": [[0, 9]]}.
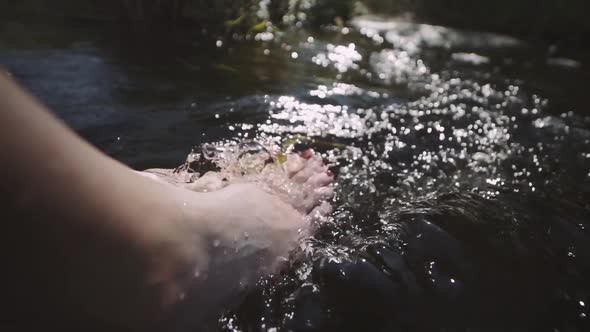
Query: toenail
{"points": [[330, 174], [307, 154]]}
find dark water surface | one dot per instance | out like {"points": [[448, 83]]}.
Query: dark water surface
{"points": [[462, 159]]}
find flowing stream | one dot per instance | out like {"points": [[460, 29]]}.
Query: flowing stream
{"points": [[462, 159]]}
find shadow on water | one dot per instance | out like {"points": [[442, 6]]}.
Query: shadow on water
{"points": [[462, 159]]}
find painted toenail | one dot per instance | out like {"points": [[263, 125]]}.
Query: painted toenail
{"points": [[307, 154], [330, 174]]}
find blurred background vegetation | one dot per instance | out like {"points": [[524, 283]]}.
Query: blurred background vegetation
{"points": [[549, 20], [546, 19]]}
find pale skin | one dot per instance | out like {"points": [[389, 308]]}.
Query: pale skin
{"points": [[119, 246]]}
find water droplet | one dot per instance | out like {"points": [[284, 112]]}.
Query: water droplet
{"points": [[294, 55], [210, 151], [219, 43]]}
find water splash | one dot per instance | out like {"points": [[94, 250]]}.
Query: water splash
{"points": [[449, 193]]}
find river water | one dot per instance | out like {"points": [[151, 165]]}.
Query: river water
{"points": [[462, 159]]}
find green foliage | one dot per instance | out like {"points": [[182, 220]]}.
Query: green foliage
{"points": [[524, 17], [215, 15], [259, 27]]}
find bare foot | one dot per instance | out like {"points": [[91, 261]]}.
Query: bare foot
{"points": [[303, 181], [244, 224], [289, 195]]}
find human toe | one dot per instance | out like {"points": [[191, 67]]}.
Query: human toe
{"points": [[320, 180], [294, 164], [313, 165]]}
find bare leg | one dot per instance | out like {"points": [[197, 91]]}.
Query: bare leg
{"points": [[90, 238]]}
